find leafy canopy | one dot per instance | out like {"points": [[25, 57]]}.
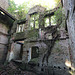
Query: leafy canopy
{"points": [[20, 10]]}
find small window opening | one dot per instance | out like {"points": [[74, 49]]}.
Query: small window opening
{"points": [[47, 22], [53, 20], [35, 52], [34, 21]]}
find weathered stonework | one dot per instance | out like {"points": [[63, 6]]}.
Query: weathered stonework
{"points": [[6, 21], [36, 9], [3, 41], [69, 7]]}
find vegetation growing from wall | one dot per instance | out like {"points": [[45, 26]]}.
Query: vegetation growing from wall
{"points": [[59, 17]]}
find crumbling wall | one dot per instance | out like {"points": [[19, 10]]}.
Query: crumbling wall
{"points": [[3, 41], [27, 46], [36, 9], [59, 54], [16, 51], [69, 8], [3, 33], [56, 61], [57, 58]]}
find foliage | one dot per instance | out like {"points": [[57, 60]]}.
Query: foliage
{"points": [[59, 17], [58, 2], [48, 4], [19, 11], [34, 60], [12, 7], [22, 10]]}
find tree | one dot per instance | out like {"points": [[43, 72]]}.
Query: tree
{"points": [[19, 11], [12, 7]]}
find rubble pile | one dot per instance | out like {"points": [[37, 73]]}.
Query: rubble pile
{"points": [[13, 69]]}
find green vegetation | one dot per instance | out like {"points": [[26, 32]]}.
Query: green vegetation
{"points": [[20, 11], [59, 17], [34, 60]]}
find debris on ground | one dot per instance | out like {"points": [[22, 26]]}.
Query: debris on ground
{"points": [[13, 69]]}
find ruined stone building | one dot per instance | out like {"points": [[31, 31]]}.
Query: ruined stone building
{"points": [[37, 43]]}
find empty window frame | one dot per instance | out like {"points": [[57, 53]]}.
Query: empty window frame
{"points": [[53, 20], [20, 28], [47, 21], [34, 21]]}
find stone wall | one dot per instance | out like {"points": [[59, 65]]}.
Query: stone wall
{"points": [[4, 4], [3, 41], [15, 52], [69, 8], [27, 46], [56, 64], [36, 9], [3, 28], [59, 54]]}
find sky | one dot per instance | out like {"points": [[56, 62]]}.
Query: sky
{"points": [[49, 3], [20, 1]]}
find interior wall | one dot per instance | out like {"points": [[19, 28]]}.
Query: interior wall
{"points": [[3, 41], [69, 10]]}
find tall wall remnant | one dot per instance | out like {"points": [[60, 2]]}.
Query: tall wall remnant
{"points": [[6, 21], [69, 8]]}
